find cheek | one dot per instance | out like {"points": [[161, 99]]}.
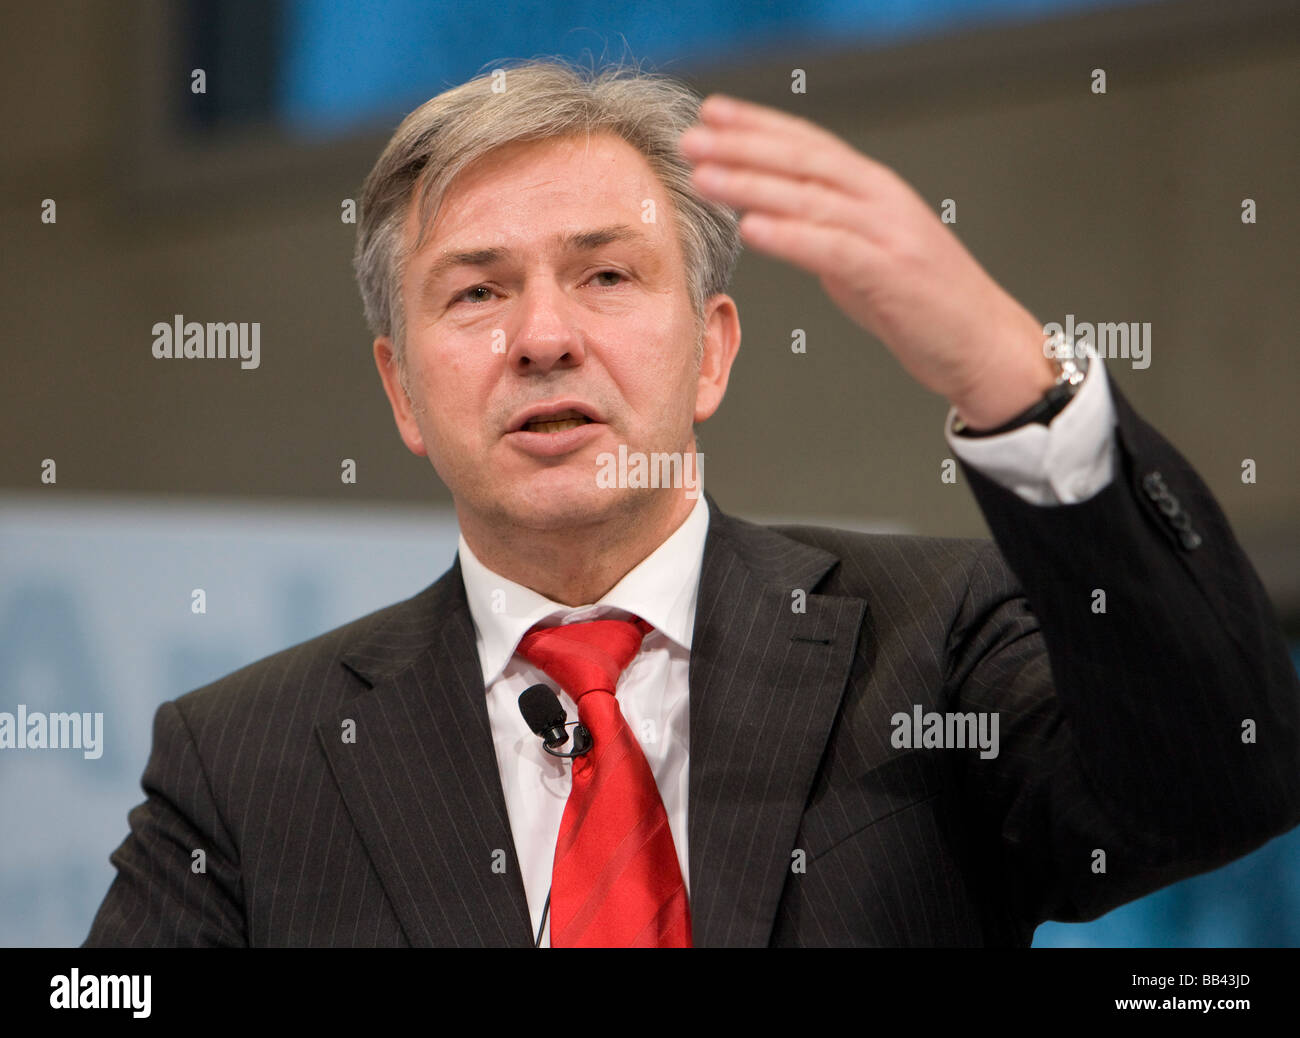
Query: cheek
{"points": [[667, 390], [452, 383]]}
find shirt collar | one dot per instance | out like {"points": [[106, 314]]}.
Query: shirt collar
{"points": [[661, 589]]}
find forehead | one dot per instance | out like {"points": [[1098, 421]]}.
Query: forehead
{"points": [[528, 192]]}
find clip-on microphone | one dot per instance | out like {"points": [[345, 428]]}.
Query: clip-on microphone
{"points": [[545, 715]]}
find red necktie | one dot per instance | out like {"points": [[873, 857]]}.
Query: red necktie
{"points": [[616, 881]]}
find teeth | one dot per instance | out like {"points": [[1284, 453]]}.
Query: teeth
{"points": [[560, 426], [557, 422]]}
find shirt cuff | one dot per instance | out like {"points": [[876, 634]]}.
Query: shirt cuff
{"points": [[1064, 463]]}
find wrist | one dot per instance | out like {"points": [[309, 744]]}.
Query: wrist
{"points": [[1007, 394], [1068, 368]]}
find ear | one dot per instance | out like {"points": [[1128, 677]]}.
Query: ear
{"points": [[721, 344], [403, 411]]}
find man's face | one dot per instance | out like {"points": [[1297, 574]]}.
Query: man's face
{"points": [[540, 292]]}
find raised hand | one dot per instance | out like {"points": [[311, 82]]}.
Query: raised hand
{"points": [[882, 255]]}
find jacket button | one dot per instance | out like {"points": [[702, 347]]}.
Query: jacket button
{"points": [[1191, 540]]}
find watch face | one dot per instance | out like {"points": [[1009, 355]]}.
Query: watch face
{"points": [[1074, 366]]}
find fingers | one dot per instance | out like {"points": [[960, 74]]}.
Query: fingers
{"points": [[722, 111], [834, 164], [806, 196], [738, 133], [750, 191], [817, 248]]}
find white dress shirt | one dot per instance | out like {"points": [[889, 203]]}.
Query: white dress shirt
{"points": [[651, 694], [1063, 463], [1067, 462]]}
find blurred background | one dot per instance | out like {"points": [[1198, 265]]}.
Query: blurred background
{"points": [[127, 198]]}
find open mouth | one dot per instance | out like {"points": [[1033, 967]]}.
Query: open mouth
{"points": [[553, 423]]}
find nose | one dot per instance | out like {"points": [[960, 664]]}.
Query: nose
{"points": [[546, 338]]}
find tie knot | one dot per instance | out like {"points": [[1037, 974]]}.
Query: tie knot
{"points": [[584, 657]]}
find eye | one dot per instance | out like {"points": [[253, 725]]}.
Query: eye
{"points": [[463, 296], [467, 297]]}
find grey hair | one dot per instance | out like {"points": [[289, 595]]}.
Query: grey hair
{"points": [[545, 98]]}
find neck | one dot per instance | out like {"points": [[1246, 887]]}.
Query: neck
{"points": [[578, 565]]}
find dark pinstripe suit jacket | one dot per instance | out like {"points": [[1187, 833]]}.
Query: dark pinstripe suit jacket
{"points": [[1120, 732]]}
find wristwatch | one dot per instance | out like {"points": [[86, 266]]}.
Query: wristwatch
{"points": [[1071, 364]]}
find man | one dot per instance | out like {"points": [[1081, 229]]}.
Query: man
{"points": [[818, 738]]}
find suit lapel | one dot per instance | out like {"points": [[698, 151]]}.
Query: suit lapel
{"points": [[765, 684], [421, 784], [421, 781]]}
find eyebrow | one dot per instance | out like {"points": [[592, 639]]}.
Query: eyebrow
{"points": [[575, 241]]}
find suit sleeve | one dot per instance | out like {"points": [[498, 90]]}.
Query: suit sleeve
{"points": [[166, 894], [1065, 462], [1149, 714]]}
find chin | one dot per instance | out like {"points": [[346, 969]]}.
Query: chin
{"points": [[556, 508]]}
